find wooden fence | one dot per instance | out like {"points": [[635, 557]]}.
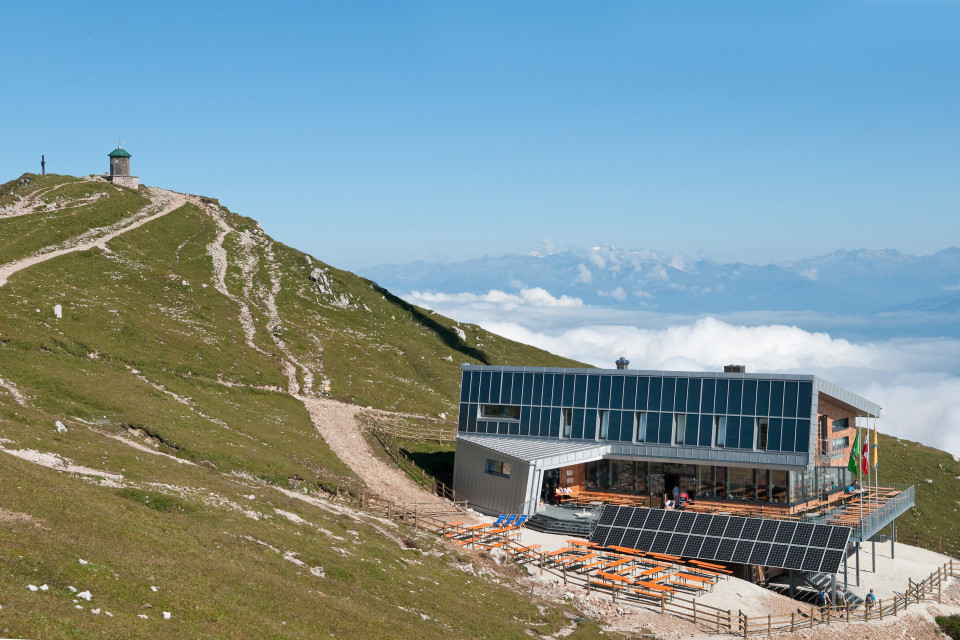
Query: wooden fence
{"points": [[388, 442]]}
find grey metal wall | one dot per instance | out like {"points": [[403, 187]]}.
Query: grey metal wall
{"points": [[487, 491]]}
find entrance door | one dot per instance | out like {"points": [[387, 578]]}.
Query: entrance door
{"points": [[670, 480]]}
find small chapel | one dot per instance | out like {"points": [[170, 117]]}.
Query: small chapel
{"points": [[120, 169]]}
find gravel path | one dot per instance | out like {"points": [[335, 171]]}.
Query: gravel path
{"points": [[336, 422], [166, 200]]}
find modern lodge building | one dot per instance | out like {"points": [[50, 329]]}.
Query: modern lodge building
{"points": [[777, 441]]}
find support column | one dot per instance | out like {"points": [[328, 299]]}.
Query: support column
{"points": [[846, 575], [858, 563], [873, 544], [893, 537], [833, 588], [793, 583]]}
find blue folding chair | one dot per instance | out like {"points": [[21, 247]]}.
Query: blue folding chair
{"points": [[499, 521]]}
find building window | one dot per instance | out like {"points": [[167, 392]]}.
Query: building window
{"points": [[567, 422], [679, 428], [603, 425], [720, 431], [498, 468], [840, 444], [500, 411], [639, 426], [841, 424], [763, 425]]}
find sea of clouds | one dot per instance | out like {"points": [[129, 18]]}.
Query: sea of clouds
{"points": [[915, 379]]}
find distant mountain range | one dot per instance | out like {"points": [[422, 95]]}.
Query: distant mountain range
{"points": [[846, 282]]}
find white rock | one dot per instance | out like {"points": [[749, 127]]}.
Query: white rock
{"points": [[31, 587], [72, 589], [82, 561], [185, 283], [203, 286], [152, 588], [60, 427], [928, 480], [142, 615], [44, 587], [166, 615], [107, 613], [86, 595], [95, 612], [443, 416], [58, 311], [77, 606]]}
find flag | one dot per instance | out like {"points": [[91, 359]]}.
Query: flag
{"points": [[854, 453], [864, 467], [875, 445]]}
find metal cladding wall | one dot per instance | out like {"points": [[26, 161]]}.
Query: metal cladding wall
{"points": [[487, 491], [536, 402]]}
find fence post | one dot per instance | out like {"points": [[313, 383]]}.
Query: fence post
{"points": [[847, 615], [811, 618], [940, 545], [894, 606], [694, 611], [829, 613], [746, 624], [663, 606], [541, 564], [564, 574], [415, 507], [793, 617], [769, 625]]}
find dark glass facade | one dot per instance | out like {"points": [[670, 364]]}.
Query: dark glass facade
{"points": [[682, 410]]}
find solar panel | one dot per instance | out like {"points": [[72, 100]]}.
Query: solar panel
{"points": [[760, 552], [656, 517], [677, 542], [821, 536], [734, 527], [723, 538], [778, 553], [725, 550], [811, 561], [661, 542], [702, 524], [646, 540], [838, 538], [670, 519], [630, 539], [616, 536], [692, 548], [741, 555], [768, 531], [794, 558], [751, 529], [785, 532], [718, 525], [802, 536], [623, 517], [709, 549], [686, 522], [608, 514], [831, 561], [638, 517]]}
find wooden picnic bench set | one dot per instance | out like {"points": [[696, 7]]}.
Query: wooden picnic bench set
{"points": [[632, 572], [488, 536]]}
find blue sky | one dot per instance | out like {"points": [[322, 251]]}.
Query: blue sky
{"points": [[374, 132]]}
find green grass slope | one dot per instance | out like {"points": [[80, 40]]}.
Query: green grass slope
{"points": [[186, 464]]}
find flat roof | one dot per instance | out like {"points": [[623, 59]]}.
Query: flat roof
{"points": [[549, 451]]}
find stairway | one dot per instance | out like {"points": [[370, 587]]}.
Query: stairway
{"points": [[545, 524], [822, 581]]}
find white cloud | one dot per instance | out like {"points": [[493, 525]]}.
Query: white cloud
{"points": [[616, 294], [915, 380], [584, 276]]}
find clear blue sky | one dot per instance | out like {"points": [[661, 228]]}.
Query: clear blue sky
{"points": [[371, 132]]}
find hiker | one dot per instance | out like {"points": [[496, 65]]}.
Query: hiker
{"points": [[871, 599], [842, 602], [821, 599]]}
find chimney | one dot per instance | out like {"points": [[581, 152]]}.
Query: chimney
{"points": [[734, 368], [623, 363]]}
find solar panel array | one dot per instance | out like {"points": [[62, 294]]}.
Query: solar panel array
{"points": [[724, 538]]}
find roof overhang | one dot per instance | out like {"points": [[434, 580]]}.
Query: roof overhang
{"points": [[546, 453], [857, 404]]}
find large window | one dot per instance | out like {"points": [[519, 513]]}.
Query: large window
{"points": [[679, 428], [498, 468], [603, 425], [720, 431], [639, 426], [741, 485], [501, 411], [841, 424], [763, 426], [567, 422]]}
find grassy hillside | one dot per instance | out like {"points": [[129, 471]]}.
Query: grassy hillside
{"points": [[186, 462]]}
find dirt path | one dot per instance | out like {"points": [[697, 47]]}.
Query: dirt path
{"points": [[163, 199], [336, 422]]}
